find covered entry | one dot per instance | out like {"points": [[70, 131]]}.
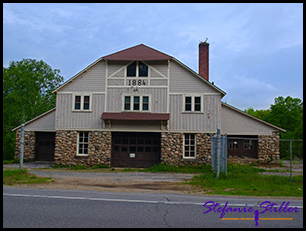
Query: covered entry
{"points": [[240, 146], [45, 145], [135, 149]]}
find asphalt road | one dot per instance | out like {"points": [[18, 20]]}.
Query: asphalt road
{"points": [[26, 207]]}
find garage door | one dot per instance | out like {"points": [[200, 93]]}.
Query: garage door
{"points": [[45, 145], [136, 149]]}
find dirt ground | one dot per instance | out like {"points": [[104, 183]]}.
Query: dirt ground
{"points": [[106, 180]]}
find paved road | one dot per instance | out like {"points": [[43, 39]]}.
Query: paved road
{"points": [[25, 207]]}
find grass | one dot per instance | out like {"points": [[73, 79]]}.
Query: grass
{"points": [[245, 180], [16, 176]]}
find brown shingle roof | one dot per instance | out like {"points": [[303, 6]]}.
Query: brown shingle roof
{"points": [[138, 53], [134, 116]]}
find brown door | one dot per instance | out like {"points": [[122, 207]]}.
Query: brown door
{"points": [[45, 145], [240, 146], [135, 149]]}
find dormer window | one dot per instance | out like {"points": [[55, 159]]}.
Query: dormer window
{"points": [[137, 69]]}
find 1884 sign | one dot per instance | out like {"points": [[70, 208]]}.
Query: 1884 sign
{"points": [[137, 82]]}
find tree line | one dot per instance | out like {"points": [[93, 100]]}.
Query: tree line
{"points": [[286, 113]]}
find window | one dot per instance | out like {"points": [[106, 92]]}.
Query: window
{"points": [[189, 146], [193, 104], [83, 143], [233, 144], [131, 69], [188, 104], [77, 102], [82, 102], [137, 69], [127, 103], [86, 102], [145, 103], [136, 103], [197, 103], [248, 144]]}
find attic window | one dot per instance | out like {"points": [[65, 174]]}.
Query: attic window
{"points": [[137, 69]]}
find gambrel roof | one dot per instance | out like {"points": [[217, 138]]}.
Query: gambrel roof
{"points": [[138, 53]]}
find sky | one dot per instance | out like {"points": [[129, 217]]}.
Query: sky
{"points": [[255, 50]]}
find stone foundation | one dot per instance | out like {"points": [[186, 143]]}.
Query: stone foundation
{"points": [[99, 148], [172, 149], [29, 145], [268, 147]]}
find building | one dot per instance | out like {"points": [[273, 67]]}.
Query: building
{"points": [[139, 107]]}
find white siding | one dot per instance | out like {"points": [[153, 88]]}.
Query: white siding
{"points": [[66, 118], [208, 121], [183, 81], [93, 80], [44, 123], [234, 122]]}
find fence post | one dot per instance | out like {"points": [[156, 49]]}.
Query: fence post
{"points": [[218, 153], [290, 160], [225, 154], [21, 147]]}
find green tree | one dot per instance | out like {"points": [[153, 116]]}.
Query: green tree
{"points": [[261, 114], [286, 113], [27, 93]]}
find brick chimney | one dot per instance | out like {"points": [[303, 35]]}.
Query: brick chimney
{"points": [[204, 60]]}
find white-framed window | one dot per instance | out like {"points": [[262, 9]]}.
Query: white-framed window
{"points": [[233, 144], [83, 142], [137, 69], [81, 102], [193, 103], [189, 146], [136, 103]]}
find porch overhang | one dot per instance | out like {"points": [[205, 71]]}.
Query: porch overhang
{"points": [[134, 116]]}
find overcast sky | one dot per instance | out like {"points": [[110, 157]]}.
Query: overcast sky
{"points": [[256, 50]]}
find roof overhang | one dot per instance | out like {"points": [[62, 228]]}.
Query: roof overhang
{"points": [[134, 116]]}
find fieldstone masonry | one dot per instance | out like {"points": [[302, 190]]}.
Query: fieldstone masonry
{"points": [[172, 149], [29, 145], [66, 148], [268, 147]]}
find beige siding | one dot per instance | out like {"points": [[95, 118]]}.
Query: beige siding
{"points": [[66, 118], [44, 123], [183, 81], [234, 122], [158, 98], [93, 80], [208, 121]]}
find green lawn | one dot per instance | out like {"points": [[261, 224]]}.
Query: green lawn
{"points": [[246, 180], [16, 176]]}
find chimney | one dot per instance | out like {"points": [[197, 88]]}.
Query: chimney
{"points": [[204, 60]]}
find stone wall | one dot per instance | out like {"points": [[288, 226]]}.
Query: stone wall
{"points": [[99, 148], [172, 149], [29, 145], [268, 147]]}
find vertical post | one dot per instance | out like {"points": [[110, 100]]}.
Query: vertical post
{"points": [[21, 147], [218, 153], [225, 154], [290, 160]]}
